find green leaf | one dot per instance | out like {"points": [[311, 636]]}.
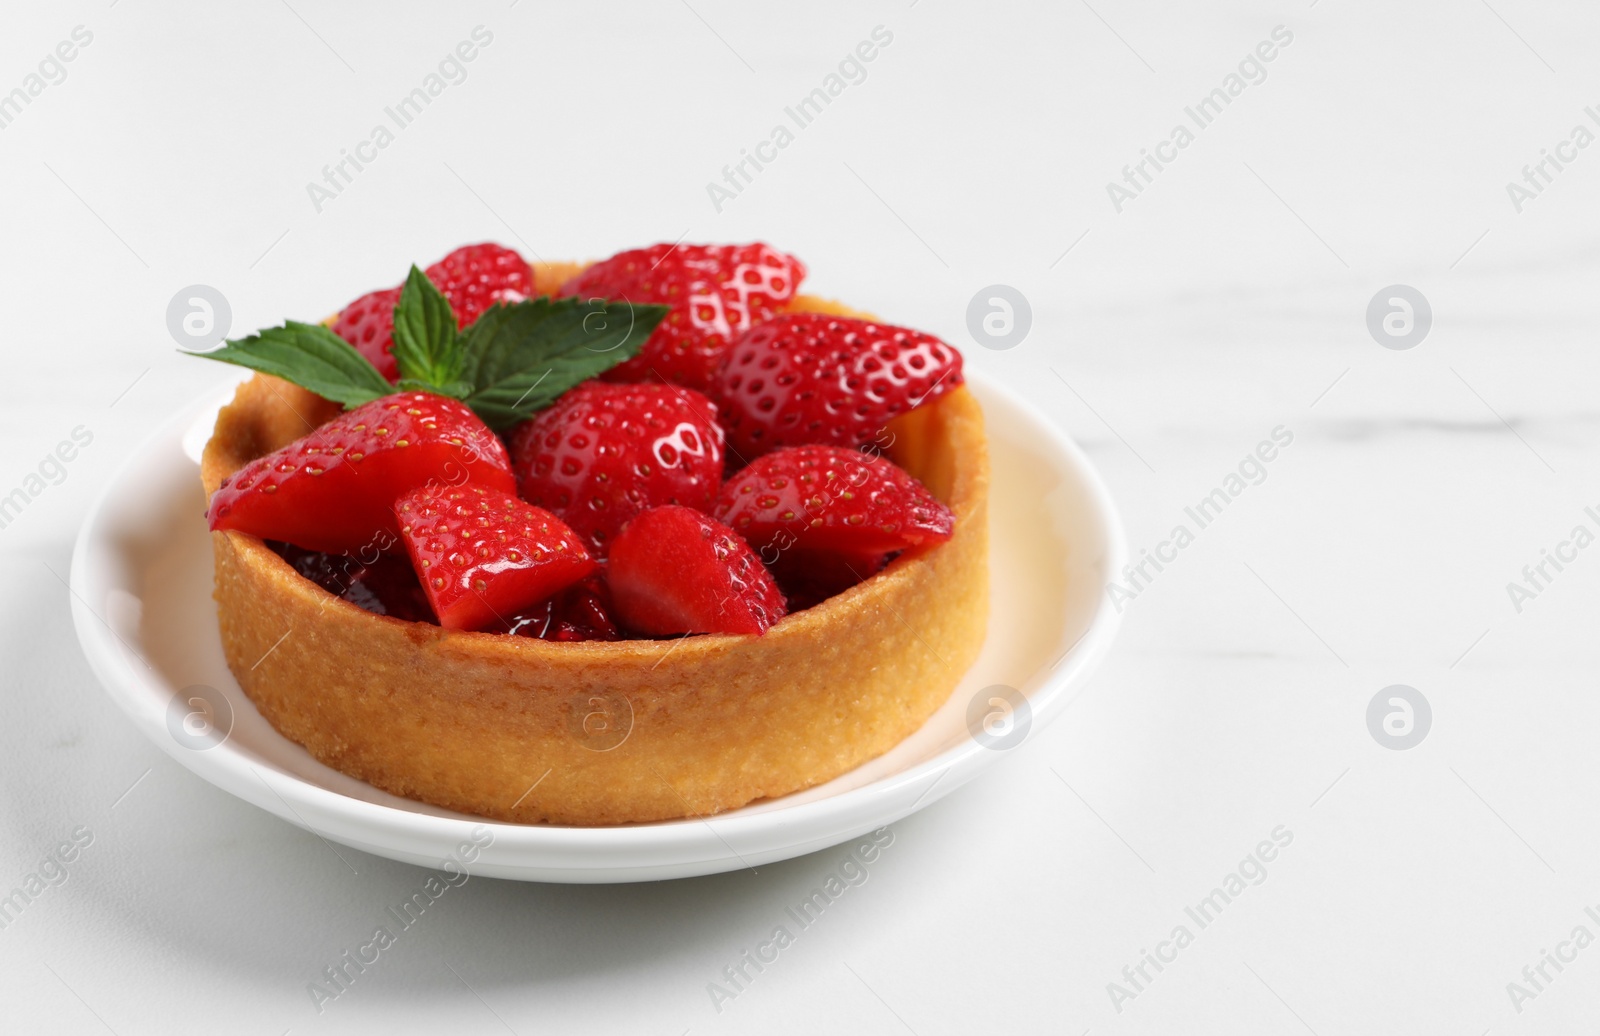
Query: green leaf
{"points": [[522, 356], [312, 357], [513, 361], [426, 347]]}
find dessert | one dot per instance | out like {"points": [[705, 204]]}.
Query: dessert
{"points": [[562, 565]]}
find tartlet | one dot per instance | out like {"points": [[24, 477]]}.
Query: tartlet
{"points": [[526, 730]]}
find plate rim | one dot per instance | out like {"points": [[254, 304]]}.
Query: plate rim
{"points": [[678, 847]]}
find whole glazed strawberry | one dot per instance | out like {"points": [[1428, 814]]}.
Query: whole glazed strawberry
{"points": [[623, 404], [604, 453]]}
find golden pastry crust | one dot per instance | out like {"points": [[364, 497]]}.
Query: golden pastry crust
{"points": [[526, 730]]}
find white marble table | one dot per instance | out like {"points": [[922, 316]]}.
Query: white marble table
{"points": [[1407, 890]]}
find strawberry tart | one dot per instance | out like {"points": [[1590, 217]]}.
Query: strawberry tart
{"points": [[645, 539]]}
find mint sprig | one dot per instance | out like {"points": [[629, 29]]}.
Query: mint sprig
{"points": [[514, 361], [312, 357]]}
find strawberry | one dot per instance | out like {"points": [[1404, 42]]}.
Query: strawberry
{"points": [[332, 490], [812, 378], [475, 277], [368, 324], [675, 570], [603, 453], [482, 554], [472, 278], [716, 292], [825, 498]]}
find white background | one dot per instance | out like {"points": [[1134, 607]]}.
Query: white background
{"points": [[1227, 299]]}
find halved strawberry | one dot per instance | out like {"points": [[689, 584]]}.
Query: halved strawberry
{"points": [[824, 498], [813, 378], [333, 490], [675, 570], [482, 554], [472, 278], [603, 453], [716, 292]]}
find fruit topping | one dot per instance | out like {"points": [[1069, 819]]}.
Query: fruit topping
{"points": [[674, 570], [809, 577], [824, 498], [804, 378], [379, 582], [471, 278], [716, 293], [407, 504], [581, 612], [604, 453], [333, 489], [482, 555]]}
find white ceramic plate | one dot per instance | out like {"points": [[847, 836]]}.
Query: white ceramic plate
{"points": [[141, 588]]}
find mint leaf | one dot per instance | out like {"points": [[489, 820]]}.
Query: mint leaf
{"points": [[426, 348], [515, 360], [520, 357], [312, 357]]}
